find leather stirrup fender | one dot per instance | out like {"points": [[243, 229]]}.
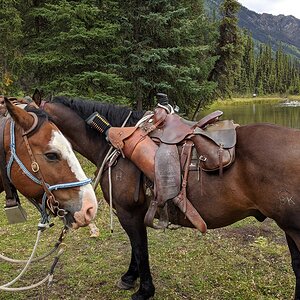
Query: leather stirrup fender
{"points": [[190, 212]]}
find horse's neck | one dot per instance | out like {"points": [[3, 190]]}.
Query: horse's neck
{"points": [[93, 150], [91, 146]]}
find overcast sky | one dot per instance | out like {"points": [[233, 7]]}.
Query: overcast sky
{"points": [[274, 7]]}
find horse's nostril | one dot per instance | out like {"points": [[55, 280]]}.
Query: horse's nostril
{"points": [[90, 214]]}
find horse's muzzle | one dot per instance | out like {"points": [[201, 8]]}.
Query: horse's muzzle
{"points": [[87, 213]]}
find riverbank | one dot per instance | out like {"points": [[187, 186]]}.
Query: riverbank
{"points": [[273, 109], [262, 99]]}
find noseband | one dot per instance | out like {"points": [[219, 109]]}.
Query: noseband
{"points": [[48, 199]]}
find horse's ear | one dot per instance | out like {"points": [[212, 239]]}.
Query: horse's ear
{"points": [[37, 97], [20, 116]]}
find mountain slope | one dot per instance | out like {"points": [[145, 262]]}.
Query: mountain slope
{"points": [[267, 28]]}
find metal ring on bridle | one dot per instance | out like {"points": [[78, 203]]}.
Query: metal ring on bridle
{"points": [[35, 167], [61, 213]]}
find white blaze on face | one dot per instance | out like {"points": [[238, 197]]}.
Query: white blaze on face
{"points": [[62, 145], [86, 208]]}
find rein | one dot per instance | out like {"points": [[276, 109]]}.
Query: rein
{"points": [[49, 276]]}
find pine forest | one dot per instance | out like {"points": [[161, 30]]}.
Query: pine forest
{"points": [[127, 51]]}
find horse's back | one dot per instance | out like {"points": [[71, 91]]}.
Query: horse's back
{"points": [[269, 137]]}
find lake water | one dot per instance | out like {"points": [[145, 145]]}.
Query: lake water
{"points": [[281, 112]]}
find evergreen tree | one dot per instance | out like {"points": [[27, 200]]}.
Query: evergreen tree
{"points": [[10, 35], [167, 50], [229, 49], [74, 48]]}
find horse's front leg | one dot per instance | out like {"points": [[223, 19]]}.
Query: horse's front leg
{"points": [[133, 224], [128, 280], [295, 255]]}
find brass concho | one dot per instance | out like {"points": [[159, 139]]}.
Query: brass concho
{"points": [[35, 167]]}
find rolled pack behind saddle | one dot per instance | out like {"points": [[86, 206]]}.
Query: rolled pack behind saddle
{"points": [[163, 147]]}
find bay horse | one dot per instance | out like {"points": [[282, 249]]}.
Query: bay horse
{"points": [[262, 182], [41, 165]]}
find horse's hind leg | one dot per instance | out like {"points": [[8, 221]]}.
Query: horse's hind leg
{"points": [[133, 224], [295, 255]]}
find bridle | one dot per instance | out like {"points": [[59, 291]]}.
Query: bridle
{"points": [[48, 200]]}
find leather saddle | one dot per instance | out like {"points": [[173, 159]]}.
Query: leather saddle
{"points": [[154, 148], [213, 139]]}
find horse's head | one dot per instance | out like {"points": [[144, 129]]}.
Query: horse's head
{"points": [[42, 149]]}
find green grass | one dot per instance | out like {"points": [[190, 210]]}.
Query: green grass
{"points": [[248, 260]]}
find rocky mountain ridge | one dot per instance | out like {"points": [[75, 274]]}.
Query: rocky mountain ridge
{"points": [[267, 28]]}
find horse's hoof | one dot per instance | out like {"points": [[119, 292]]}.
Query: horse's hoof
{"points": [[139, 297], [125, 285], [142, 296], [94, 231]]}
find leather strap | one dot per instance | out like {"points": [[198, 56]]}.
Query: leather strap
{"points": [[51, 201], [33, 126], [181, 201], [210, 118]]}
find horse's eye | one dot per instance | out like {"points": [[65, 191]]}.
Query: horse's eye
{"points": [[52, 156]]}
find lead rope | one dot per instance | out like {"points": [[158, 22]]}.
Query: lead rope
{"points": [[49, 276], [20, 261]]}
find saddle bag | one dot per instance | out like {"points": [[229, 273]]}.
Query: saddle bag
{"points": [[215, 145]]}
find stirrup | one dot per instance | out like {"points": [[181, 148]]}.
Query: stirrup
{"points": [[149, 217]]}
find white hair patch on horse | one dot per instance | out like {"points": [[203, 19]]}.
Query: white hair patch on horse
{"points": [[61, 144]]}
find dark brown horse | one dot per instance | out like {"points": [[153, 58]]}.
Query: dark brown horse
{"points": [[41, 165], [262, 182]]}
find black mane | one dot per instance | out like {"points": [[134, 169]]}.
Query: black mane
{"points": [[115, 114], [40, 113]]}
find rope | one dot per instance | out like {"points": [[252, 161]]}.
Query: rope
{"points": [[27, 264], [97, 179], [16, 158], [25, 288], [21, 261], [49, 276]]}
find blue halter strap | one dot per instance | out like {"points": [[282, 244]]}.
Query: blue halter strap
{"points": [[48, 188]]}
